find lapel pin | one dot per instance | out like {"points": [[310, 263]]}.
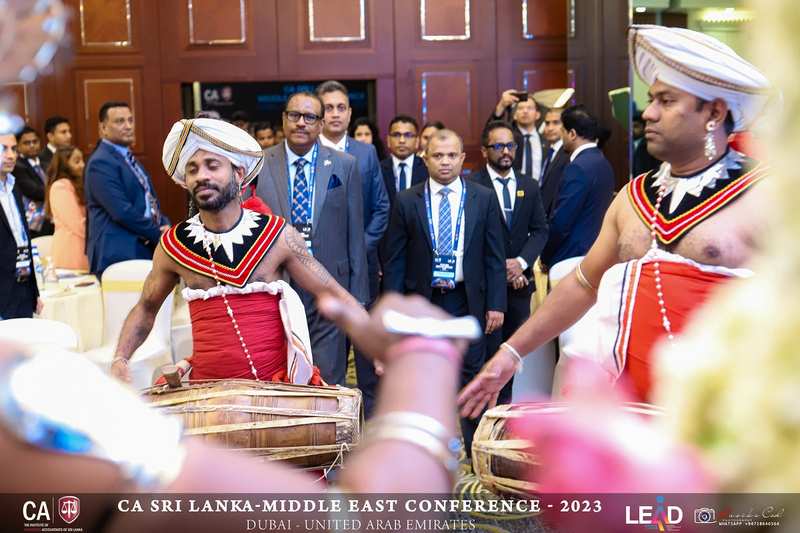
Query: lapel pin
{"points": [[520, 194], [326, 163]]}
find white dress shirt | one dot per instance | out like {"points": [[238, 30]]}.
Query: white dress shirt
{"points": [[340, 146], [9, 205], [409, 161], [512, 189], [580, 149], [455, 200], [536, 152]]}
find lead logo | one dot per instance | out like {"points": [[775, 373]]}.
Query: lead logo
{"points": [[69, 507]]}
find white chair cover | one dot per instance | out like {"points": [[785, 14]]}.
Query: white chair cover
{"points": [[39, 333]]}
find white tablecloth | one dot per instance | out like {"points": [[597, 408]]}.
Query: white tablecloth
{"points": [[77, 300]]}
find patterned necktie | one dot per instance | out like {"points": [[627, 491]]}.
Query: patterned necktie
{"points": [[401, 178], [445, 236], [528, 170], [39, 172], [149, 198], [508, 210], [301, 203]]}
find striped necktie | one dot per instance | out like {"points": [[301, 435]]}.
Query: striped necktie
{"points": [[445, 238]]}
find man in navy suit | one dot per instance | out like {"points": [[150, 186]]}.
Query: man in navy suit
{"points": [[337, 110], [554, 160], [403, 168], [31, 178], [17, 280], [319, 191], [586, 191], [524, 228], [124, 216], [445, 243]]}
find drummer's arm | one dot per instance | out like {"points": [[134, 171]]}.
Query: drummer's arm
{"points": [[157, 286], [307, 271], [570, 299]]}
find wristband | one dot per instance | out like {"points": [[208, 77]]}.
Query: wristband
{"points": [[513, 351], [439, 347]]}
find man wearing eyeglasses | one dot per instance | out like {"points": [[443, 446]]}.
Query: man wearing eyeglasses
{"points": [[403, 168], [445, 243], [318, 190], [524, 228]]}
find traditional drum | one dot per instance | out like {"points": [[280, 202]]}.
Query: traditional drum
{"points": [[503, 463], [310, 427]]}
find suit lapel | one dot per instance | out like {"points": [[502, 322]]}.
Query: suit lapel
{"points": [[5, 220], [321, 177], [522, 185], [417, 172], [280, 181], [422, 213], [470, 214]]}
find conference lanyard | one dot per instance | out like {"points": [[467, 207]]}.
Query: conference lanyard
{"points": [[310, 176], [458, 219]]}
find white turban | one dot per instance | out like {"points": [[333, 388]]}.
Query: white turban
{"points": [[188, 136], [700, 65]]}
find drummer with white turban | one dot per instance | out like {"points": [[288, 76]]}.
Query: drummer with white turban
{"points": [[247, 323], [672, 236]]}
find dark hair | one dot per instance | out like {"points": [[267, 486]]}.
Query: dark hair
{"points": [[308, 95], [59, 169], [491, 126], [53, 122], [376, 137], [404, 118], [585, 125], [258, 126], [729, 123], [240, 115], [23, 131], [331, 86], [103, 114], [434, 124]]}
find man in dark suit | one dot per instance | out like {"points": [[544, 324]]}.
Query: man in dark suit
{"points": [[554, 160], [586, 191], [124, 216], [17, 279], [522, 112], [31, 181], [403, 168], [376, 206], [524, 228], [58, 134], [319, 191], [445, 243]]}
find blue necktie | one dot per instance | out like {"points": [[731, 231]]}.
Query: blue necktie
{"points": [[401, 178], [528, 170], [508, 210], [149, 198], [301, 203], [445, 237]]}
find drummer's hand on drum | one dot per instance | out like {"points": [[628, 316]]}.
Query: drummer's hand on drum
{"points": [[120, 370], [368, 332], [483, 390]]}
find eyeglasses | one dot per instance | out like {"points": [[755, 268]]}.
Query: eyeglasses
{"points": [[498, 147], [406, 135], [309, 118]]}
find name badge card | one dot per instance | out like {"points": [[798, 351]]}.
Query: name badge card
{"points": [[305, 232], [444, 272], [23, 264]]}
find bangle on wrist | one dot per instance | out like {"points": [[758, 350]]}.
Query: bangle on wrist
{"points": [[120, 359], [440, 347], [515, 354]]}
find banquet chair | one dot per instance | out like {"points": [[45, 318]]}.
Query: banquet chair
{"points": [[181, 332], [570, 338], [39, 333], [122, 285]]}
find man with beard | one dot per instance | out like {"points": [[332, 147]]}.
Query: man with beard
{"points": [[246, 322], [675, 234], [524, 228]]}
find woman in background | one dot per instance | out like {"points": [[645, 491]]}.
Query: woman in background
{"points": [[364, 130], [66, 206]]}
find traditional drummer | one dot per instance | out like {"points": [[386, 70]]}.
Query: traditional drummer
{"points": [[247, 323], [674, 234]]}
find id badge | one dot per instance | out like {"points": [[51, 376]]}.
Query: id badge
{"points": [[444, 272], [305, 232], [23, 264]]}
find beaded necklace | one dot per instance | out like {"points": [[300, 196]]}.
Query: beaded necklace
{"points": [[656, 265]]}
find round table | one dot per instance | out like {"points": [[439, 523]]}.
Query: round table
{"points": [[76, 298]]}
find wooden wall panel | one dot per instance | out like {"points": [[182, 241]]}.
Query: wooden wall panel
{"points": [[217, 22], [446, 94], [105, 24], [15, 96], [336, 21], [544, 19], [94, 87], [445, 20]]}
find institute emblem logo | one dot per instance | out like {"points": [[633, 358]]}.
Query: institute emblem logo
{"points": [[69, 508]]}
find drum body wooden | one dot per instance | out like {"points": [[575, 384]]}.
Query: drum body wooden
{"points": [[310, 427], [504, 463]]}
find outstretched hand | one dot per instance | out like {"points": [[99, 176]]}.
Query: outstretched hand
{"points": [[483, 390]]}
